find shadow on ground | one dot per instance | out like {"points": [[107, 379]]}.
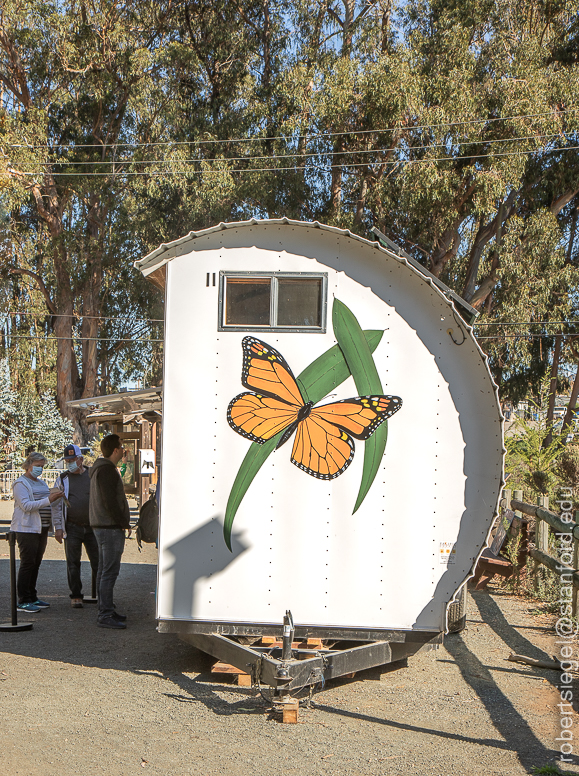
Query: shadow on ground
{"points": [[65, 635]]}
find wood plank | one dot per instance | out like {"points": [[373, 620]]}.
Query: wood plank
{"points": [[290, 713], [243, 680], [226, 668]]}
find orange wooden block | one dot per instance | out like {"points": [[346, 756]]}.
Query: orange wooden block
{"points": [[223, 668], [290, 713], [243, 680], [226, 668]]}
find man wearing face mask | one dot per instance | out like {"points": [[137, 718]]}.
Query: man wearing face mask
{"points": [[75, 482]]}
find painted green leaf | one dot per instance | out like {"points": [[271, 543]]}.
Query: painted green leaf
{"points": [[330, 370], [359, 359], [316, 381]]}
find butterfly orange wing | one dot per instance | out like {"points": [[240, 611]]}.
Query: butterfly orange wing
{"points": [[360, 416], [324, 447], [266, 371], [258, 417], [321, 448], [277, 399]]}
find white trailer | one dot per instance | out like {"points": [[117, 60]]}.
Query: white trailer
{"points": [[274, 329]]}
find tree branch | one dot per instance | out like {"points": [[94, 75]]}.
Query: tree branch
{"points": [[49, 303], [559, 203]]}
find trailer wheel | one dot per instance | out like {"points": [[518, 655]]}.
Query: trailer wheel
{"points": [[457, 612]]}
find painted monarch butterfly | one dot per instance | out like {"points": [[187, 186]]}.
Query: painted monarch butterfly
{"points": [[323, 446]]}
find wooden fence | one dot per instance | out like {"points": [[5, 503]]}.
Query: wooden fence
{"points": [[544, 519]]}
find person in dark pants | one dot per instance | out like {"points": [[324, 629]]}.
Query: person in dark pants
{"points": [[109, 518], [31, 522], [75, 482]]}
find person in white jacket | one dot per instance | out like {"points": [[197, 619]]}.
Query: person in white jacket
{"points": [[31, 521]]}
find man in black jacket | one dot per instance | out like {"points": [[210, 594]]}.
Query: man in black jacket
{"points": [[109, 517]]}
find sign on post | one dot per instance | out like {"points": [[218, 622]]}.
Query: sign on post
{"points": [[147, 461]]}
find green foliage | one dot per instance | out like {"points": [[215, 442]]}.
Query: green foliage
{"points": [[27, 419], [547, 770], [530, 464], [450, 126], [568, 466]]}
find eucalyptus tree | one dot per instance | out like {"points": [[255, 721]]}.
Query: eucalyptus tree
{"points": [[68, 72], [451, 126]]}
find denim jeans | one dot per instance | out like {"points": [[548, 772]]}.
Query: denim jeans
{"points": [[31, 548], [111, 543], [76, 536]]}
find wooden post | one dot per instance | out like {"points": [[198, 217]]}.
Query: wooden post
{"points": [[541, 539], [575, 598], [518, 496], [507, 493], [542, 528]]}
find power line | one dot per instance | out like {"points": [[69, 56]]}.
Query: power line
{"points": [[397, 162], [80, 339], [516, 336], [79, 315], [526, 323], [304, 155], [260, 139]]}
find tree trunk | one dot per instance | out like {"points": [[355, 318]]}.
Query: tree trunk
{"points": [[553, 389], [336, 184], [569, 415]]}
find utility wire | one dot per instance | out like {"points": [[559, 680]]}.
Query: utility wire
{"points": [[80, 315], [260, 139], [74, 337], [295, 155], [516, 336], [397, 162], [522, 323], [161, 320]]}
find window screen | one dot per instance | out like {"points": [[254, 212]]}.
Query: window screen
{"points": [[248, 302], [281, 301], [299, 302]]}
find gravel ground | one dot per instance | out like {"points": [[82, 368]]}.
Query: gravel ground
{"points": [[77, 699]]}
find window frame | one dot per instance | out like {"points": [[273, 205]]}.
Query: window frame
{"points": [[274, 293]]}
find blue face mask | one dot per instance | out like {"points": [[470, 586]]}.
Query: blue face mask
{"points": [[36, 471], [72, 467]]}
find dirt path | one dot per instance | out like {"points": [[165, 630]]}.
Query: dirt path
{"points": [[77, 699]]}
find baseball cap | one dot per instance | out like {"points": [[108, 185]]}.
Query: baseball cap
{"points": [[71, 451]]}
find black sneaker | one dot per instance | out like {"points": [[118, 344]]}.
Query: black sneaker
{"points": [[119, 617], [111, 622]]}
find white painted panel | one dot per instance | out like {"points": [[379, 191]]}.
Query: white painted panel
{"points": [[296, 543]]}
